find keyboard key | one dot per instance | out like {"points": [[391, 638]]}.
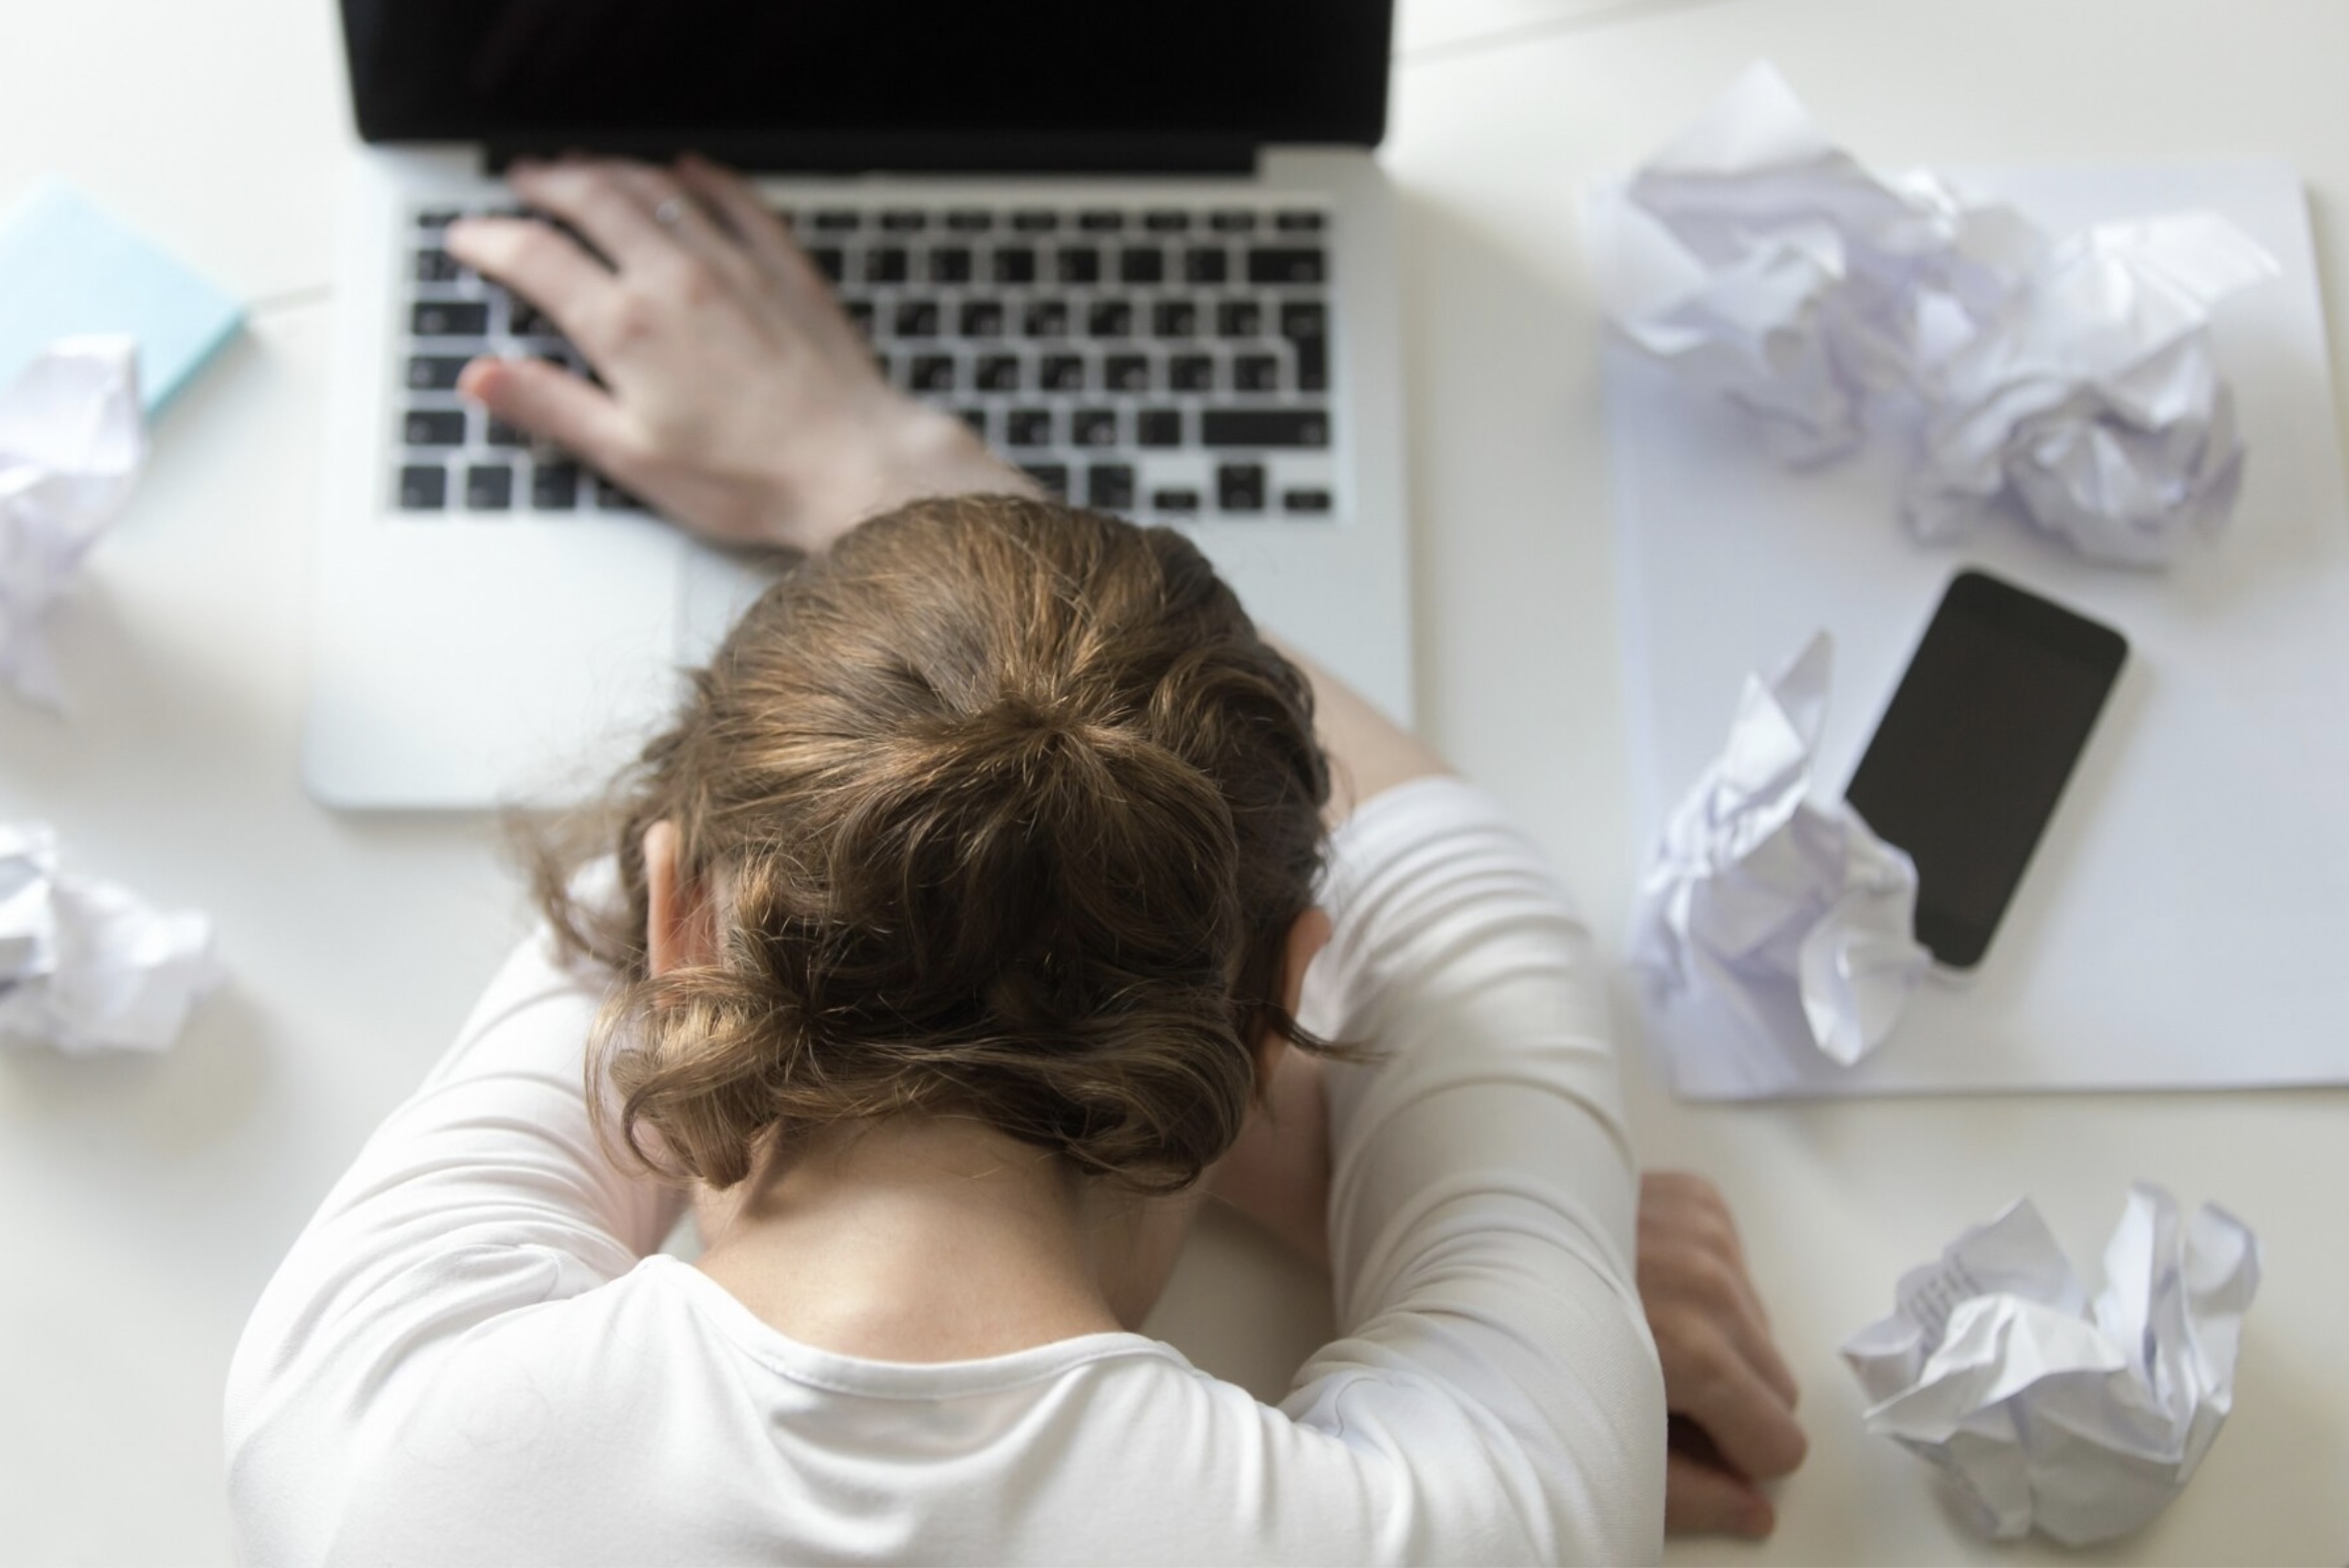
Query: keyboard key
{"points": [[1142, 264], [1305, 500], [976, 419], [1184, 500], [1166, 222], [1233, 220], [1046, 319], [1035, 220], [437, 266], [1077, 264], [949, 264], [435, 372], [916, 319], [860, 313], [998, 373], [1174, 318], [1109, 485], [1158, 427], [437, 219], [1288, 264], [1297, 220], [1202, 264], [1313, 364], [1100, 221], [554, 487], [838, 220], [829, 261], [525, 320], [423, 488], [1304, 319], [433, 427], [982, 319], [1093, 427], [1028, 428], [612, 498], [885, 264], [1054, 477], [1306, 324], [504, 434], [1126, 372], [448, 319], [932, 372], [1109, 319], [1061, 373], [489, 487], [1239, 487], [901, 220], [970, 220], [887, 365], [1240, 319], [1015, 264], [1264, 427], [1255, 372], [1191, 373]]}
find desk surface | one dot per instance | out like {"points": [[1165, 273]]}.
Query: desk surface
{"points": [[145, 1202]]}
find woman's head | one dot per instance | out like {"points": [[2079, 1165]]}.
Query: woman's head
{"points": [[1000, 809]]}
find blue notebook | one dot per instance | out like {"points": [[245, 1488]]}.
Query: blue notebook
{"points": [[68, 267]]}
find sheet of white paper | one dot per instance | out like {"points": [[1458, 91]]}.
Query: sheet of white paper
{"points": [[71, 443], [2046, 1410], [2138, 952], [85, 966], [2069, 381], [1758, 893]]}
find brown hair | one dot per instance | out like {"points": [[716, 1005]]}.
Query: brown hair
{"points": [[1007, 811]]}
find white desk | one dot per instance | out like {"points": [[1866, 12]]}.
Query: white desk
{"points": [[143, 1203]]}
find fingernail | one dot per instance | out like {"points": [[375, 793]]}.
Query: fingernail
{"points": [[1758, 1520]]}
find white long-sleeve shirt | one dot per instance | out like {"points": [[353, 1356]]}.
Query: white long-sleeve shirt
{"points": [[470, 1356]]}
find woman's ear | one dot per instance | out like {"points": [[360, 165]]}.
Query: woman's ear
{"points": [[681, 929], [1308, 935]]}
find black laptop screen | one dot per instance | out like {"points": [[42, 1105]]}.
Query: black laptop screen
{"points": [[839, 75]]}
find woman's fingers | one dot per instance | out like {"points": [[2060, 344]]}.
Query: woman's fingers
{"points": [[694, 235], [729, 195], [1706, 1379], [593, 199], [1703, 1499], [556, 407], [537, 261]]}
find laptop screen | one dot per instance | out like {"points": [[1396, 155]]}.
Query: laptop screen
{"points": [[831, 83]]}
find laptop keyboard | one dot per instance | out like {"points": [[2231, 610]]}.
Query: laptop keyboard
{"points": [[1166, 361]]}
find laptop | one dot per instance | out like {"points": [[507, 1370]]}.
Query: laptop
{"points": [[1143, 250]]}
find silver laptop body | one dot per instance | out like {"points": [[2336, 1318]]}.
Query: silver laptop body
{"points": [[495, 625]]}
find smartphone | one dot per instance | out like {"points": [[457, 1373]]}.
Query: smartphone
{"points": [[1974, 751]]}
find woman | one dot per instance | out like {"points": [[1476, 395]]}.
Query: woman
{"points": [[975, 917]]}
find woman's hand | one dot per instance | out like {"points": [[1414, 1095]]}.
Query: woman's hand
{"points": [[736, 397], [1729, 1394]]}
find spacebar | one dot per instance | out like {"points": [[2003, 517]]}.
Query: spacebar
{"points": [[1264, 427]]}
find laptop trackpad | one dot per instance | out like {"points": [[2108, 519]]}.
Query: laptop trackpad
{"points": [[714, 590]]}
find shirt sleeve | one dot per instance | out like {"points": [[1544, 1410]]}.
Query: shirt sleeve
{"points": [[1483, 1199], [485, 1193]]}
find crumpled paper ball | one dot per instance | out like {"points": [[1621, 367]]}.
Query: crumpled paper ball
{"points": [[1756, 888], [2046, 1410], [87, 966]]}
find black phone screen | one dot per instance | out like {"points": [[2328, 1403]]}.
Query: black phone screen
{"points": [[1975, 749]]}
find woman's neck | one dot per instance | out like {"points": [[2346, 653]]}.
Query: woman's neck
{"points": [[920, 1238]]}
